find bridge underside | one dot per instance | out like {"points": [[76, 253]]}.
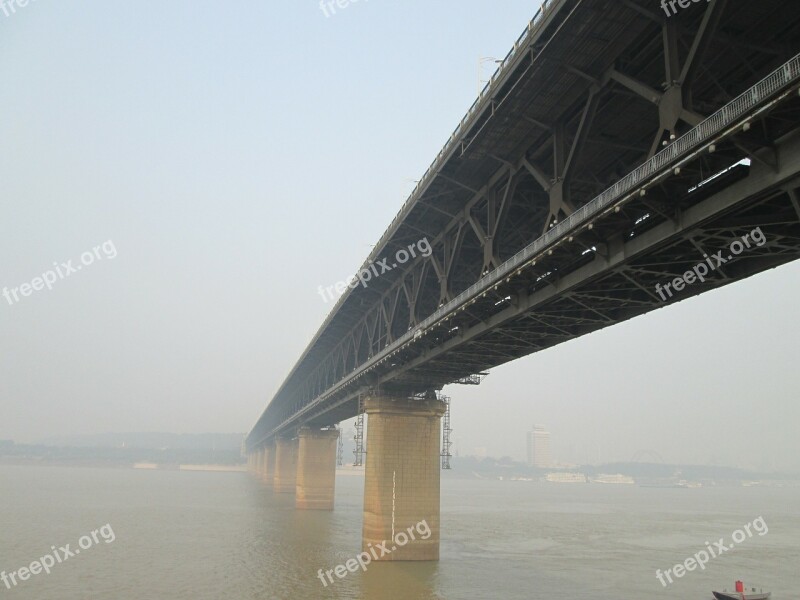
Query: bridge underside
{"points": [[593, 90], [561, 297]]}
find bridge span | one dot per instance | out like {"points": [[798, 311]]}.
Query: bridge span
{"points": [[617, 148]]}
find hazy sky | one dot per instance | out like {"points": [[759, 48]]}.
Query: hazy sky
{"points": [[236, 156]]}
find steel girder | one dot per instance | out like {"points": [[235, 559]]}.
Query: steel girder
{"points": [[594, 95]]}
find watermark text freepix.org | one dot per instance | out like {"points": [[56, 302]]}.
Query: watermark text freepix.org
{"points": [[701, 558], [57, 556], [61, 271], [669, 5], [354, 564], [328, 7], [8, 6], [367, 273], [701, 270]]}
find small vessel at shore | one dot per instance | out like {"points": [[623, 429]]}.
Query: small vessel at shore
{"points": [[617, 478], [742, 594]]}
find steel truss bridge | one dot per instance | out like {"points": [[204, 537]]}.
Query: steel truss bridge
{"points": [[613, 148]]}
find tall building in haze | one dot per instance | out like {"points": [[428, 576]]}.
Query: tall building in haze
{"points": [[539, 448]]}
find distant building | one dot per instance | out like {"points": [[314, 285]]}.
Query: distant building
{"points": [[539, 448], [480, 452]]}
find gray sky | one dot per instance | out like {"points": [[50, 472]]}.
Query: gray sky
{"points": [[239, 156]]}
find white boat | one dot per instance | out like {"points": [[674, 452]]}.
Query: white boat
{"points": [[612, 479], [741, 593], [566, 478]]}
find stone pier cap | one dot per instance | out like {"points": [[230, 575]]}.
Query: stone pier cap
{"points": [[385, 404]]}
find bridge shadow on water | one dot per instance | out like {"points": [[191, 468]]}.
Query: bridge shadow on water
{"points": [[292, 546], [400, 580]]}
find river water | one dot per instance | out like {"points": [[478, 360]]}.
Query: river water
{"points": [[176, 535]]}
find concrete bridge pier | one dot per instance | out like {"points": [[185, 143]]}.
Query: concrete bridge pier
{"points": [[257, 458], [267, 471], [285, 474], [254, 458], [401, 488], [316, 468]]}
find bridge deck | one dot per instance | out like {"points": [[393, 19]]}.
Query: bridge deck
{"points": [[581, 99]]}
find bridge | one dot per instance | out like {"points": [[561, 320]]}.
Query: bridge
{"points": [[625, 155]]}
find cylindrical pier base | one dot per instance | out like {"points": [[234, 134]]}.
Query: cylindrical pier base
{"points": [[316, 469], [401, 489], [285, 478]]}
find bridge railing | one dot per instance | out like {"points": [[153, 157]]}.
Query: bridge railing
{"points": [[716, 124]]}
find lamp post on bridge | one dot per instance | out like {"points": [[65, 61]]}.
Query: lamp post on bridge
{"points": [[482, 61]]}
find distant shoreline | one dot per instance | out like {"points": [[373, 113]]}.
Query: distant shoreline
{"points": [[94, 464]]}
